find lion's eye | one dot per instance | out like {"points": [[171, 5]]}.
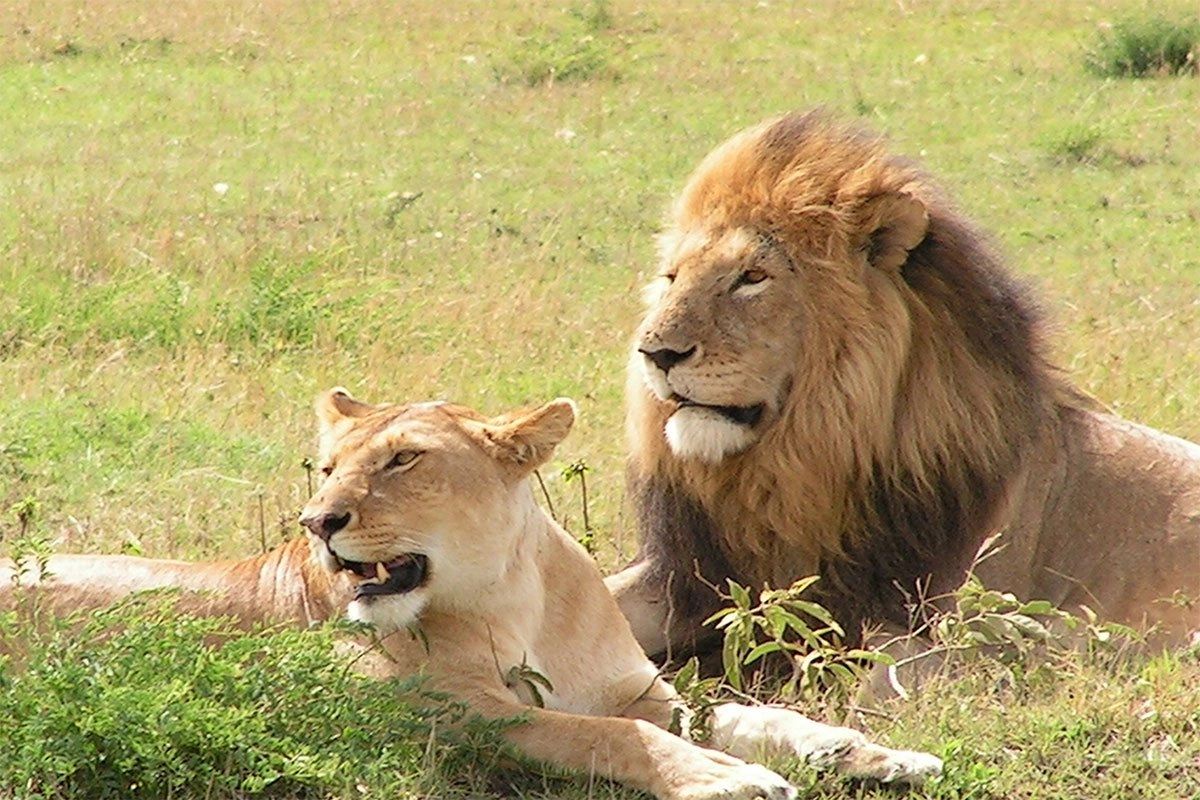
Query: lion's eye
{"points": [[403, 459], [750, 277]]}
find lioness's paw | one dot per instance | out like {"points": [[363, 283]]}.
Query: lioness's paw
{"points": [[910, 766], [739, 782], [893, 766]]}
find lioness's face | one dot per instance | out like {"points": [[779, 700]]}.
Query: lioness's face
{"points": [[720, 338], [420, 502]]}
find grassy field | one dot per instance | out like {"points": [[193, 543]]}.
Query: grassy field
{"points": [[210, 211]]}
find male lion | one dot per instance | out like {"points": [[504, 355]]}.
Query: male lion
{"points": [[426, 516], [837, 376]]}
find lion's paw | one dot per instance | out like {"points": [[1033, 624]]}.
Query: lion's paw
{"points": [[737, 782]]}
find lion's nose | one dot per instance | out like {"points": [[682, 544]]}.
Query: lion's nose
{"points": [[325, 525], [666, 358]]}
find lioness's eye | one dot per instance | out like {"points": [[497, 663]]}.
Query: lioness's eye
{"points": [[402, 459], [326, 470]]}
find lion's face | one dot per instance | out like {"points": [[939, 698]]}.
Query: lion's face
{"points": [[719, 341], [779, 287], [422, 502]]}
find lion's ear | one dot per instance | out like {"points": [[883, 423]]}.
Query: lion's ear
{"points": [[892, 224], [336, 405], [527, 439]]}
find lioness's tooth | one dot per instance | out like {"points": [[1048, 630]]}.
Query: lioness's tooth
{"points": [[381, 571]]}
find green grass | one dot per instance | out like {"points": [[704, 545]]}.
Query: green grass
{"points": [[134, 702], [1147, 46], [209, 214]]}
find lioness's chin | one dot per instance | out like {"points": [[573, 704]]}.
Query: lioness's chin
{"points": [[388, 596], [705, 434], [388, 612]]}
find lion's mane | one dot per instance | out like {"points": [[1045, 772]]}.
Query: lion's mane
{"points": [[912, 404]]}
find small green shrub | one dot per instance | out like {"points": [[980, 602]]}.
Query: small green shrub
{"points": [[573, 49], [780, 622], [1077, 144], [1136, 48], [137, 702], [283, 308], [545, 59]]}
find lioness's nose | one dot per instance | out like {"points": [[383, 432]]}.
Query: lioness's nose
{"points": [[325, 525]]}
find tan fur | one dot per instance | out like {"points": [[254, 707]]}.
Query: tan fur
{"points": [[284, 584], [506, 592], [907, 411]]}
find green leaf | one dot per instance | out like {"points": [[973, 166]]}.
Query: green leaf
{"points": [[762, 650], [739, 595], [686, 675]]}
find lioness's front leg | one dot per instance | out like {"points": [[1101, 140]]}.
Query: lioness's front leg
{"points": [[757, 731], [632, 751]]}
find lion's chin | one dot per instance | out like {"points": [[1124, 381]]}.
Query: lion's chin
{"points": [[705, 434]]}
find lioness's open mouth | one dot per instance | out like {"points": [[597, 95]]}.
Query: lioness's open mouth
{"points": [[748, 416], [400, 575]]}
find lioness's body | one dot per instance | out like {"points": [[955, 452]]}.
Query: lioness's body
{"points": [[284, 584], [427, 520], [836, 375]]}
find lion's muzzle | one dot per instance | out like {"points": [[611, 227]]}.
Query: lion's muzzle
{"points": [[666, 358], [749, 416]]}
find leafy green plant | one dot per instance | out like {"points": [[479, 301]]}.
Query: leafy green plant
{"points": [[31, 548], [969, 774], [136, 701], [699, 695], [577, 470], [1141, 47], [986, 625], [780, 622]]}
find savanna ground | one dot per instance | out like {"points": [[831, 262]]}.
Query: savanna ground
{"points": [[210, 211]]}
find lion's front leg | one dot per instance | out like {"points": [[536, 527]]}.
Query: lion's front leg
{"points": [[758, 731], [644, 604]]}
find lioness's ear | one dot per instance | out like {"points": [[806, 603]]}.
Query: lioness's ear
{"points": [[892, 224], [336, 405], [528, 439]]}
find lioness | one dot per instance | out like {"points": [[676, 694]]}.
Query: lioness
{"points": [[836, 375], [426, 510], [283, 585]]}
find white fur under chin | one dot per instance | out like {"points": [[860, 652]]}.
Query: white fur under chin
{"points": [[389, 613], [706, 435]]}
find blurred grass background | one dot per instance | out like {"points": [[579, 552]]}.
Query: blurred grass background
{"points": [[210, 211]]}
